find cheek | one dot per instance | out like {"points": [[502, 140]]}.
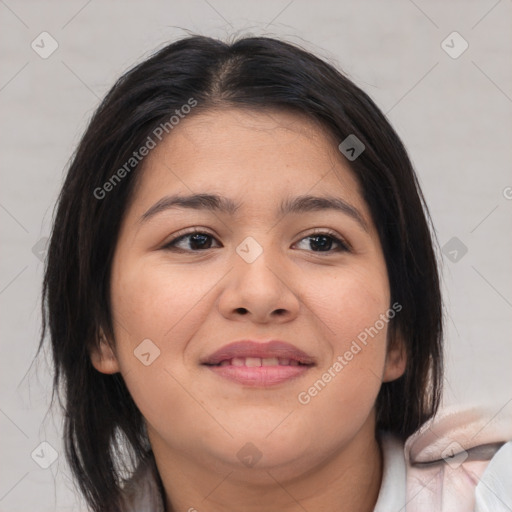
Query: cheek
{"points": [[167, 305], [352, 305], [159, 302], [157, 310], [354, 309]]}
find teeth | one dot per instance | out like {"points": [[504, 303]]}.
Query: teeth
{"points": [[253, 362]]}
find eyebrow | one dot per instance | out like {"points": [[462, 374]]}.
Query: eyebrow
{"points": [[215, 202]]}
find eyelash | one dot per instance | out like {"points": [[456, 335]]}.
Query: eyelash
{"points": [[343, 246]]}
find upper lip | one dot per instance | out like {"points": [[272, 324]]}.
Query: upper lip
{"points": [[249, 348]]}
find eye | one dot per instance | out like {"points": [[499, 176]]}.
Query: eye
{"points": [[322, 241], [193, 241]]}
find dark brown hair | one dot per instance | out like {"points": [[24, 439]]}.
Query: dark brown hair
{"points": [[101, 419]]}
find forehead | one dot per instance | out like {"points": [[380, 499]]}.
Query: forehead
{"points": [[255, 157]]}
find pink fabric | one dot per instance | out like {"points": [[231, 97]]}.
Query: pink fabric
{"points": [[448, 457]]}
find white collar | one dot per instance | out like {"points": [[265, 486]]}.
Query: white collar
{"points": [[392, 494]]}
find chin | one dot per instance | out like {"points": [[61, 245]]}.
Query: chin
{"points": [[250, 453]]}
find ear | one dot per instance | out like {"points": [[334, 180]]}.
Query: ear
{"points": [[103, 357], [396, 360]]}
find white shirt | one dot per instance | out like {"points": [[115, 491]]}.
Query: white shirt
{"points": [[392, 494]]}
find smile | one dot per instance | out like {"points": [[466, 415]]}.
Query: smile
{"points": [[259, 372]]}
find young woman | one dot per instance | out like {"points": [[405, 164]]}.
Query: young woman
{"points": [[241, 290]]}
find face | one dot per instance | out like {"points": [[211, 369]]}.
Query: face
{"points": [[188, 280]]}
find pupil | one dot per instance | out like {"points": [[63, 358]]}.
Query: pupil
{"points": [[198, 240], [327, 241]]}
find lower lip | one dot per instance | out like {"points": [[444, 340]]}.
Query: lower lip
{"points": [[260, 376]]}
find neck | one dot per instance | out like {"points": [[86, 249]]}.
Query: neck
{"points": [[349, 480]]}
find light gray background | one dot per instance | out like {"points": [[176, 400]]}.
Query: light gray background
{"points": [[454, 116]]}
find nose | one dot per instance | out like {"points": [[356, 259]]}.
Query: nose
{"points": [[260, 291]]}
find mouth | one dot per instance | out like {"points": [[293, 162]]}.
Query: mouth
{"points": [[257, 364], [254, 362]]}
